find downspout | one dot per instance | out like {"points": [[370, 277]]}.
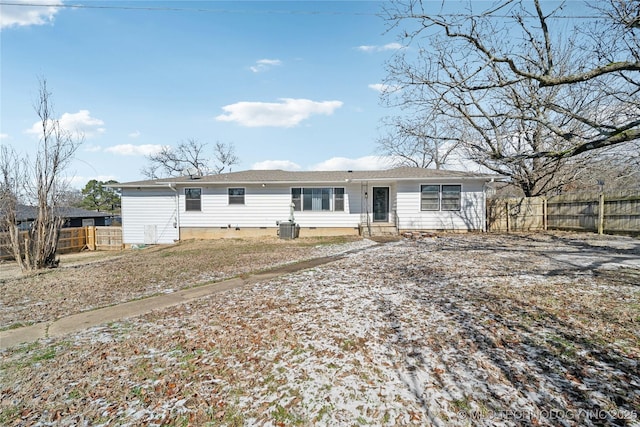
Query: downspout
{"points": [[366, 203], [176, 223]]}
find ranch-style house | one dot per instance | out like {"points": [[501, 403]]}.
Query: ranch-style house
{"points": [[255, 202]]}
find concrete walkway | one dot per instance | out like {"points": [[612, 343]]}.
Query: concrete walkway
{"points": [[85, 320]]}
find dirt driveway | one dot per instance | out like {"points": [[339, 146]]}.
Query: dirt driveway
{"points": [[476, 329]]}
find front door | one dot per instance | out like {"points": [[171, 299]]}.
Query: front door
{"points": [[381, 204]]}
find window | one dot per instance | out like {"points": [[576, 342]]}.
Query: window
{"points": [[296, 198], [451, 197], [429, 197], [338, 199], [193, 199], [440, 197], [317, 199], [236, 196]]}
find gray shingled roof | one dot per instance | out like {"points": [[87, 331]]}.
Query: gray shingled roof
{"points": [[281, 176], [24, 213]]}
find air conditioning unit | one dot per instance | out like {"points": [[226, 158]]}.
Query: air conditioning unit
{"points": [[288, 230]]}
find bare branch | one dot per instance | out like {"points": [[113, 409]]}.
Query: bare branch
{"points": [[524, 100], [44, 186], [225, 155], [188, 158], [417, 142], [545, 78]]}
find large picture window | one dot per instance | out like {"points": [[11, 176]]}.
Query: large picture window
{"points": [[236, 196], [193, 199], [318, 199], [440, 197]]}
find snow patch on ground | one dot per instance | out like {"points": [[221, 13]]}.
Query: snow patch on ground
{"points": [[456, 330]]}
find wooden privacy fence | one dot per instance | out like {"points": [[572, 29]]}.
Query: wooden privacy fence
{"points": [[613, 213], [104, 238], [76, 239], [516, 214]]}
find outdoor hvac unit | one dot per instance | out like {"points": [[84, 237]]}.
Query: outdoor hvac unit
{"points": [[288, 230]]}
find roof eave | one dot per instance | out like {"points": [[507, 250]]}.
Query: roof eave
{"points": [[430, 178], [197, 182]]}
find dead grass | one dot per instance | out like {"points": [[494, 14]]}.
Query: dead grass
{"points": [[97, 279], [452, 330]]}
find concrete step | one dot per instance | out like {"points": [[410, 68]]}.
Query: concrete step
{"points": [[379, 229]]}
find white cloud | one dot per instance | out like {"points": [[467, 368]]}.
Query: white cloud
{"points": [[287, 113], [361, 163], [380, 48], [134, 150], [367, 48], [80, 122], [34, 12], [276, 164], [264, 65], [135, 134], [92, 148], [4, 136]]}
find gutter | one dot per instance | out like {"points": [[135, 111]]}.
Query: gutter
{"points": [[197, 183]]}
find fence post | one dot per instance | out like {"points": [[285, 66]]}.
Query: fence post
{"points": [[91, 238], [506, 206], [545, 218], [601, 214]]}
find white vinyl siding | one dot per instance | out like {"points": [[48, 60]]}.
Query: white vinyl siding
{"points": [[150, 210], [264, 206], [467, 212]]}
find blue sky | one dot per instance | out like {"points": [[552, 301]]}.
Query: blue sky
{"points": [[293, 85]]}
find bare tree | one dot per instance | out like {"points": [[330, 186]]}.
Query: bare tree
{"points": [[524, 98], [225, 157], [41, 183], [612, 170], [188, 158], [13, 178], [496, 133], [417, 142]]}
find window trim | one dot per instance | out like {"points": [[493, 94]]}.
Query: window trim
{"points": [[229, 196], [186, 199], [442, 200], [298, 198]]}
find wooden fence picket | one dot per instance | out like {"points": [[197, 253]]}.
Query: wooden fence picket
{"points": [[611, 213], [75, 239]]}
